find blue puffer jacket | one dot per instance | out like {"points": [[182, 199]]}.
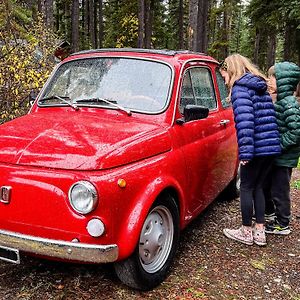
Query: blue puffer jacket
{"points": [[254, 116]]}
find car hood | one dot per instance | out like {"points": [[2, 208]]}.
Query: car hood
{"points": [[79, 141]]}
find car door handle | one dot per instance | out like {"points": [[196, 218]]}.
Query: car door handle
{"points": [[224, 122]]}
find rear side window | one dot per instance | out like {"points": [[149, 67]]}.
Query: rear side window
{"points": [[197, 88], [223, 90]]}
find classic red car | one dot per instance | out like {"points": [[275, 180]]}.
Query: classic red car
{"points": [[120, 151]]}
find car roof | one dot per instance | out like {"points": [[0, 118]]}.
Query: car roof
{"points": [[178, 54]]}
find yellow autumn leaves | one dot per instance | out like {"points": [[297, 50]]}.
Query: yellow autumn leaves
{"points": [[25, 64]]}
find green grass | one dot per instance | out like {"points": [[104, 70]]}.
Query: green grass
{"points": [[296, 184]]}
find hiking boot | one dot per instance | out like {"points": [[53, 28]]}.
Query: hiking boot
{"points": [[259, 237], [276, 228], [241, 235]]}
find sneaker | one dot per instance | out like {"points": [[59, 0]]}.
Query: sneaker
{"points": [[276, 228], [241, 235], [270, 217], [259, 237]]}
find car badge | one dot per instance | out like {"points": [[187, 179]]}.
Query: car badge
{"points": [[5, 194]]}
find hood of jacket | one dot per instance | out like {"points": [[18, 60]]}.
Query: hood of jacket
{"points": [[287, 77], [253, 82]]}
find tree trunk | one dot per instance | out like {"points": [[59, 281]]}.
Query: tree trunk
{"points": [[91, 23], [75, 26], [192, 29], [95, 18], [100, 34], [141, 23], [288, 32], [256, 46], [49, 13], [86, 35], [41, 8], [148, 22], [202, 19], [271, 49], [225, 30], [67, 20], [180, 25]]}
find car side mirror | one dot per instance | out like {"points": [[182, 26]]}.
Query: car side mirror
{"points": [[193, 112]]}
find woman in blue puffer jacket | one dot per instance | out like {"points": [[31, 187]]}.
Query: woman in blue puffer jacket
{"points": [[258, 142]]}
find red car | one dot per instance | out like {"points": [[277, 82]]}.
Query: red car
{"points": [[120, 151]]}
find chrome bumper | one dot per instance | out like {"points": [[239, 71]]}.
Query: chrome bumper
{"points": [[89, 253]]}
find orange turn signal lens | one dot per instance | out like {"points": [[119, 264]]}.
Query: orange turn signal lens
{"points": [[122, 183]]}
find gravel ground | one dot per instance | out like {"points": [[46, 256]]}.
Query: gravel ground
{"points": [[207, 266]]}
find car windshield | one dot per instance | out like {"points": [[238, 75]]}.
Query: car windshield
{"points": [[139, 85]]}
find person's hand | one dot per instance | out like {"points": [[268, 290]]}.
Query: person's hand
{"points": [[244, 162]]}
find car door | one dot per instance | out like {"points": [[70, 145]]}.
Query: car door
{"points": [[201, 140], [230, 147]]}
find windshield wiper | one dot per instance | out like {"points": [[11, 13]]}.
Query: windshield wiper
{"points": [[110, 102], [63, 99]]}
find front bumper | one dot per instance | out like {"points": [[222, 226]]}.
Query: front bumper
{"points": [[89, 253]]}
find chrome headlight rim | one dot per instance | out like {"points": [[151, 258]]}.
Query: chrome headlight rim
{"points": [[93, 193]]}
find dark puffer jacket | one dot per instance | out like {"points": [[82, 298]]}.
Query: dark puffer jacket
{"points": [[288, 113], [254, 115]]}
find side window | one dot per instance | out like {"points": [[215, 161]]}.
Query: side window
{"points": [[223, 90], [203, 87], [187, 95], [197, 88]]}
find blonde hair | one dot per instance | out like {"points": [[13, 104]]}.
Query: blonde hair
{"points": [[237, 65], [271, 71]]}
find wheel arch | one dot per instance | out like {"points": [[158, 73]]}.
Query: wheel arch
{"points": [[129, 235]]}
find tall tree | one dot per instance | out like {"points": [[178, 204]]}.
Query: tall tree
{"points": [[148, 22], [192, 28], [75, 26], [180, 24], [202, 20], [141, 23], [100, 23], [91, 24]]}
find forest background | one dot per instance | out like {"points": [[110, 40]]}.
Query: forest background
{"points": [[32, 31]]}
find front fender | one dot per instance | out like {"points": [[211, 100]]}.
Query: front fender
{"points": [[130, 232]]}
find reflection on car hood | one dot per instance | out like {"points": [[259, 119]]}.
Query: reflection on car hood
{"points": [[79, 141]]}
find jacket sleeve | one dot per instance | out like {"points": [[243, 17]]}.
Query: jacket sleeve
{"points": [[291, 119], [244, 121]]}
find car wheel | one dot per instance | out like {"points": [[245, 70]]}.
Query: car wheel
{"points": [[148, 266]]}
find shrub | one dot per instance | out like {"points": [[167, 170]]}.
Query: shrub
{"points": [[26, 60]]}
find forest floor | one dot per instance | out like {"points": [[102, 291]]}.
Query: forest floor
{"points": [[207, 266]]}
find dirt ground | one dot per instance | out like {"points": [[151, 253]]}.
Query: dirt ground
{"points": [[207, 266]]}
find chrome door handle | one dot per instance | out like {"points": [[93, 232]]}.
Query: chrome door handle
{"points": [[224, 122]]}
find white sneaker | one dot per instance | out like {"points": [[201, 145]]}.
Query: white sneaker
{"points": [[241, 235], [259, 237]]}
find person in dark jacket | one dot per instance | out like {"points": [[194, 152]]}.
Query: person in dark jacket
{"points": [[283, 80], [258, 142]]}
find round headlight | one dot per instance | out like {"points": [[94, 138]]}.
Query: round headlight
{"points": [[83, 197]]}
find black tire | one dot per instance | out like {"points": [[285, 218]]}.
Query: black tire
{"points": [[148, 266]]}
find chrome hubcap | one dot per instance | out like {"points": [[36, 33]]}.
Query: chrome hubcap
{"points": [[156, 239]]}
